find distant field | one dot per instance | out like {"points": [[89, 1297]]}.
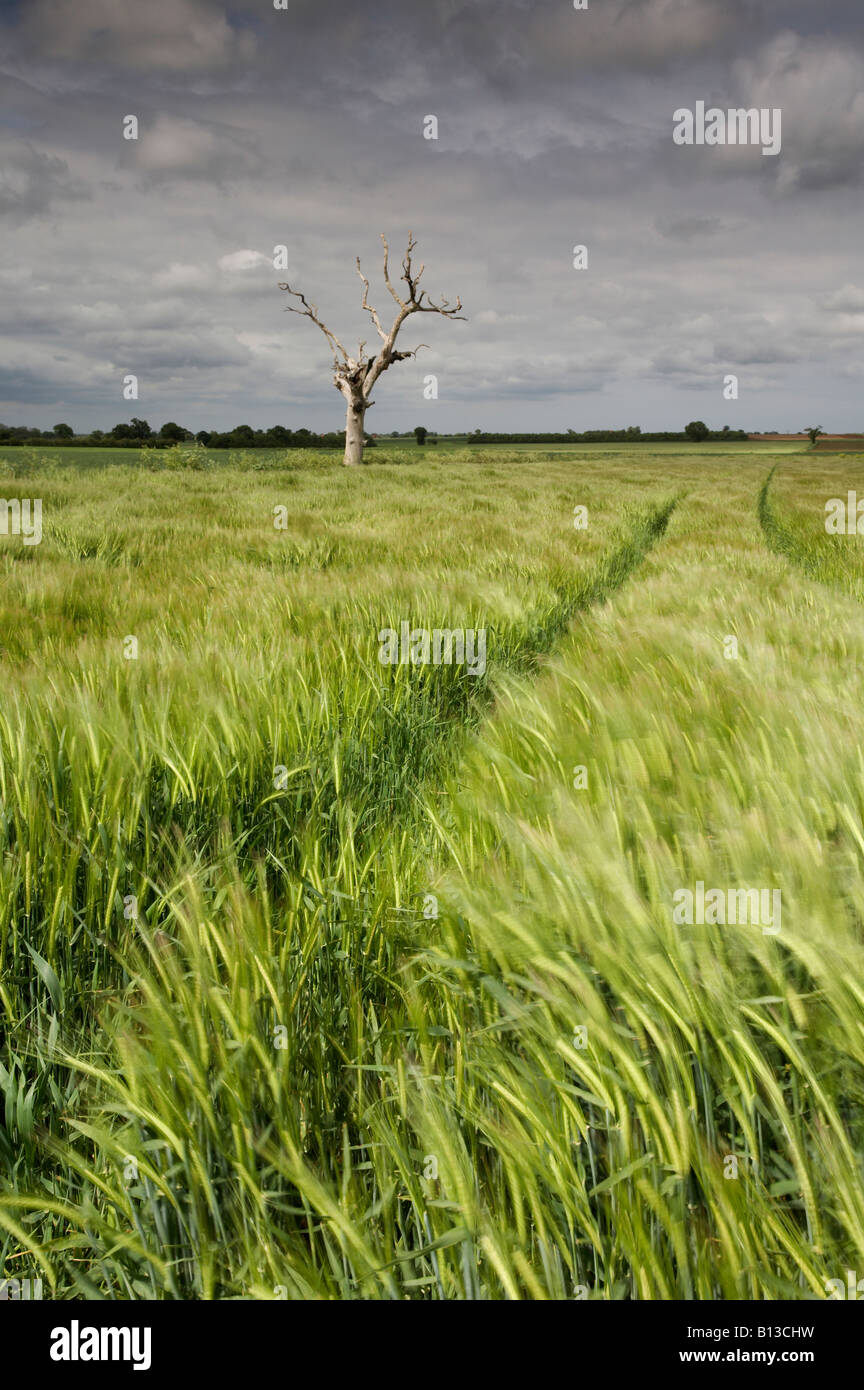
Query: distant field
{"points": [[30, 456], [843, 445], [27, 457], [334, 979]]}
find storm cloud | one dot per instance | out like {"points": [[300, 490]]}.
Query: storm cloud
{"points": [[259, 128]]}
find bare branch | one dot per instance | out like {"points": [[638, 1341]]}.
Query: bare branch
{"points": [[388, 282], [412, 352], [443, 308], [367, 306], [310, 311], [412, 280], [355, 377], [416, 296]]}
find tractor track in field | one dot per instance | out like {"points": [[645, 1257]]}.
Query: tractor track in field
{"points": [[612, 570], [778, 537], [816, 563], [449, 712]]}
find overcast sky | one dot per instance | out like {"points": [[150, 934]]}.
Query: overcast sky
{"points": [[304, 127]]}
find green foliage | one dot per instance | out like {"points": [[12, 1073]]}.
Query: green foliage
{"points": [[171, 430], [244, 1057], [190, 455]]}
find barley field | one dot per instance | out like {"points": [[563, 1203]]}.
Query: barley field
{"points": [[328, 979]]}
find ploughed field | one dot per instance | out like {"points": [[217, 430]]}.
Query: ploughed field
{"points": [[540, 976]]}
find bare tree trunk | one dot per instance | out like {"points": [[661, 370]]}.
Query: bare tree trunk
{"points": [[354, 433], [356, 376]]}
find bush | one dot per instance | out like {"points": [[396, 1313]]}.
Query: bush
{"points": [[189, 455]]}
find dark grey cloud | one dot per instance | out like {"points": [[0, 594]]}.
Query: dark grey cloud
{"points": [[304, 128], [171, 36], [32, 181], [691, 228]]}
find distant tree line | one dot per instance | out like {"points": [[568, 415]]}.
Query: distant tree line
{"points": [[695, 432], [134, 433]]}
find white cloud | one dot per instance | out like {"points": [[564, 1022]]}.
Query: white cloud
{"points": [[178, 145], [181, 276], [848, 300], [244, 260]]}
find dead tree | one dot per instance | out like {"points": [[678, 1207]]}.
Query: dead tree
{"points": [[355, 376]]}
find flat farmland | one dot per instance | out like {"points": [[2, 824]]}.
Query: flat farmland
{"points": [[328, 976]]}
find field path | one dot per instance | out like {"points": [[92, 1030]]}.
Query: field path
{"points": [[713, 707]]}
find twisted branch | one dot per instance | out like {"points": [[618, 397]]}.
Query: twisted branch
{"points": [[356, 376]]}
